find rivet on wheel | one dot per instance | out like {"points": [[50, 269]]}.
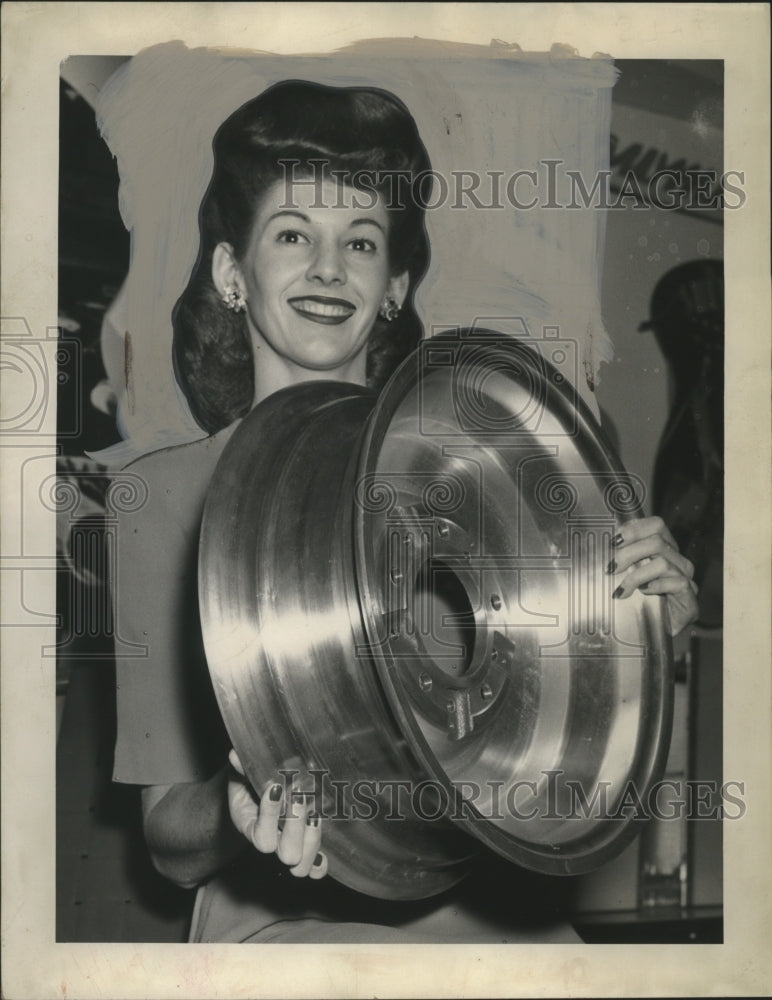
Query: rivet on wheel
{"points": [[495, 602], [486, 691], [424, 682], [443, 531]]}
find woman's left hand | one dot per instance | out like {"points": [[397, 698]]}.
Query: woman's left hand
{"points": [[646, 558], [283, 824]]}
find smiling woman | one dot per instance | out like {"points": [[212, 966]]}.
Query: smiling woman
{"points": [[320, 282], [309, 269]]}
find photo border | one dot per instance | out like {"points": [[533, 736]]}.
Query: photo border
{"points": [[36, 37]]}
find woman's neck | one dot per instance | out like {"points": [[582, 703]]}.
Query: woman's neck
{"points": [[274, 372]]}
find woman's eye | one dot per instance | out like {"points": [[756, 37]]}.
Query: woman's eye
{"points": [[362, 245], [291, 236]]}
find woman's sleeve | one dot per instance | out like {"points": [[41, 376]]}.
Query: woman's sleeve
{"points": [[169, 728]]}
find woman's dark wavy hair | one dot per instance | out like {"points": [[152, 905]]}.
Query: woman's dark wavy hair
{"points": [[351, 130]]}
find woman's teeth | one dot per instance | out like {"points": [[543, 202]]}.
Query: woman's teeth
{"points": [[327, 310]]}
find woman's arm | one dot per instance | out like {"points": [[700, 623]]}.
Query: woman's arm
{"points": [[188, 830], [193, 830]]}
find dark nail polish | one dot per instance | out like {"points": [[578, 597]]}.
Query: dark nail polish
{"points": [[611, 567], [275, 794], [617, 540], [313, 819], [619, 591], [318, 860]]}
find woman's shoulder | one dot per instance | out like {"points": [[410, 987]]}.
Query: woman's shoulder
{"points": [[182, 462], [176, 479]]}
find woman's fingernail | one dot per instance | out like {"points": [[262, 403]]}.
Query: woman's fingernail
{"points": [[275, 794], [611, 567], [617, 540], [619, 591], [318, 860], [313, 819]]}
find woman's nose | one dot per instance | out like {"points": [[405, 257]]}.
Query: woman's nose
{"points": [[328, 266]]}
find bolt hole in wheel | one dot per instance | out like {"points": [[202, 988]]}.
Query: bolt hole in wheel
{"points": [[411, 589]]}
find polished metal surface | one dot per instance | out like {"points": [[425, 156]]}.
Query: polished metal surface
{"points": [[405, 602]]}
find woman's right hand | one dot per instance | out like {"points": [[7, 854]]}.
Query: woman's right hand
{"points": [[296, 843]]}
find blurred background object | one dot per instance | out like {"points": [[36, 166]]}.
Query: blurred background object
{"points": [[687, 319]]}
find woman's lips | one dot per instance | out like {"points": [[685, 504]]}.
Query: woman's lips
{"points": [[323, 309]]}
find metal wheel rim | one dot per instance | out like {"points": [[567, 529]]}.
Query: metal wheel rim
{"points": [[546, 408], [323, 444]]}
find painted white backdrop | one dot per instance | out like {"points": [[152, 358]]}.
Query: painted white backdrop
{"points": [[480, 109]]}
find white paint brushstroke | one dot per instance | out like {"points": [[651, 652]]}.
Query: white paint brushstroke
{"points": [[478, 108]]}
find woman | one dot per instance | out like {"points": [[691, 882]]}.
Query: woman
{"points": [[310, 254]]}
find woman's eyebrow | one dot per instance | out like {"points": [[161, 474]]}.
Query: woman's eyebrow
{"points": [[294, 213], [368, 222], [288, 211]]}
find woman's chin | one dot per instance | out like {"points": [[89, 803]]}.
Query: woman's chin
{"points": [[325, 363]]}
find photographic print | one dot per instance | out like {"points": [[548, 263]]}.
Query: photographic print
{"points": [[373, 497]]}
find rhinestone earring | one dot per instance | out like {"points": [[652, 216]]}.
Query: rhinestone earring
{"points": [[389, 310], [234, 299]]}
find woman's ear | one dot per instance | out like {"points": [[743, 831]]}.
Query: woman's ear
{"points": [[226, 273], [398, 287]]}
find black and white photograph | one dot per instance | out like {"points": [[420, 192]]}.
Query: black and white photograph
{"points": [[385, 446]]}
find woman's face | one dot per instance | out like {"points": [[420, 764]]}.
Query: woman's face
{"points": [[315, 274]]}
